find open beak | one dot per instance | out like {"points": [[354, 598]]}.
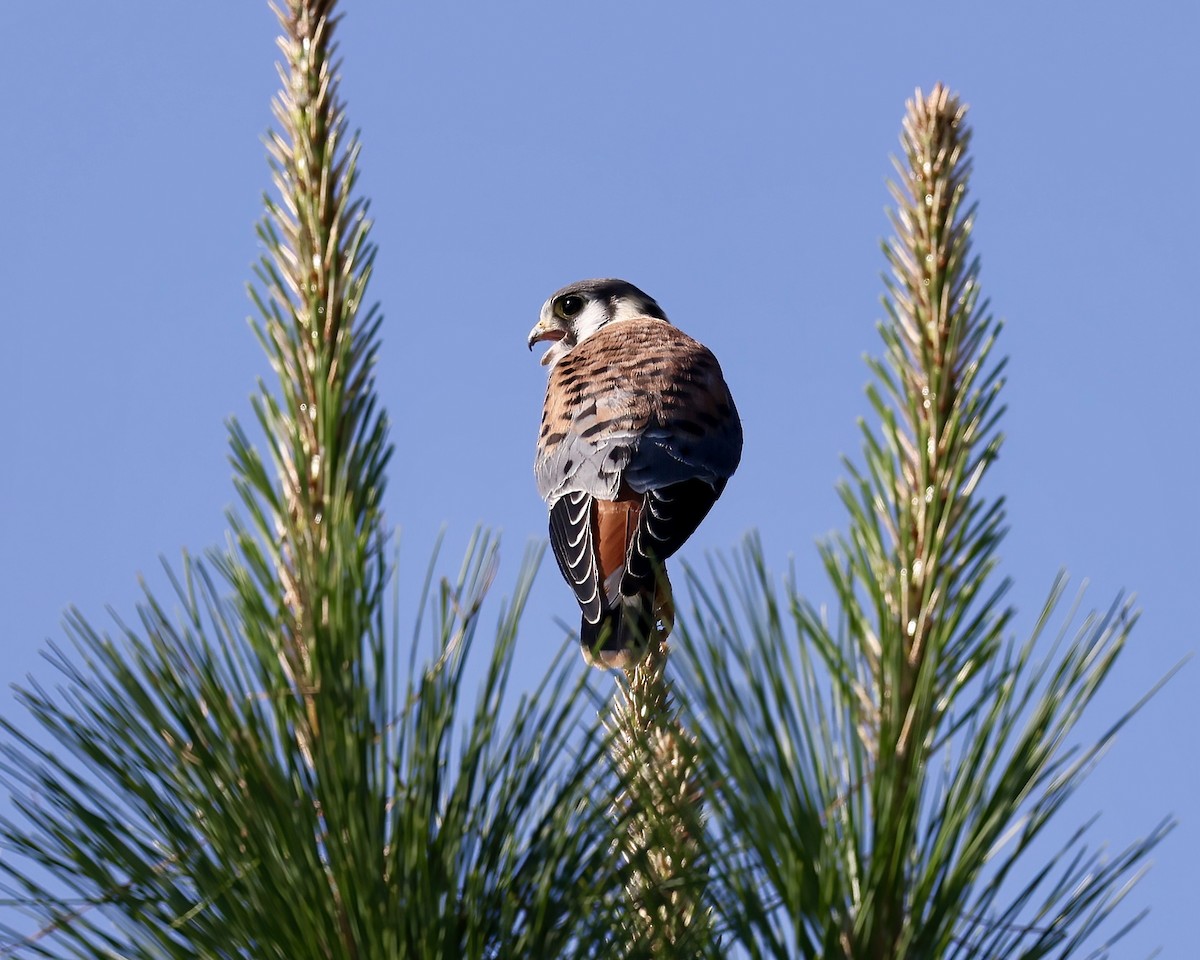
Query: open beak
{"points": [[545, 330]]}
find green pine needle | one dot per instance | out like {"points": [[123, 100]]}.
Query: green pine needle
{"points": [[880, 786], [254, 774]]}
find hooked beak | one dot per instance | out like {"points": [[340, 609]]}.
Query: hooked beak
{"points": [[545, 329]]}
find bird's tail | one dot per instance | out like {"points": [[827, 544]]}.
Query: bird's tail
{"points": [[627, 628]]}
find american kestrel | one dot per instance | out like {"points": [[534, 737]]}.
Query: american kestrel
{"points": [[639, 435]]}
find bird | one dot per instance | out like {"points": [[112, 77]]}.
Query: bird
{"points": [[639, 436]]}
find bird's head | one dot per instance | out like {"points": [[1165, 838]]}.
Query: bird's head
{"points": [[577, 311]]}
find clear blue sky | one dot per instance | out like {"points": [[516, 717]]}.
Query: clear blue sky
{"points": [[731, 160]]}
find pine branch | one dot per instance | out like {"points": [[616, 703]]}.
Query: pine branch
{"points": [[883, 780], [660, 813], [938, 449], [319, 522], [328, 444]]}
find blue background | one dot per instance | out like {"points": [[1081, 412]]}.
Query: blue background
{"points": [[731, 160]]}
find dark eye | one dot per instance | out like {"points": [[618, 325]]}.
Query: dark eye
{"points": [[568, 307]]}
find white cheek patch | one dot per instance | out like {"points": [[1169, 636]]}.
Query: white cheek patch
{"points": [[593, 316]]}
